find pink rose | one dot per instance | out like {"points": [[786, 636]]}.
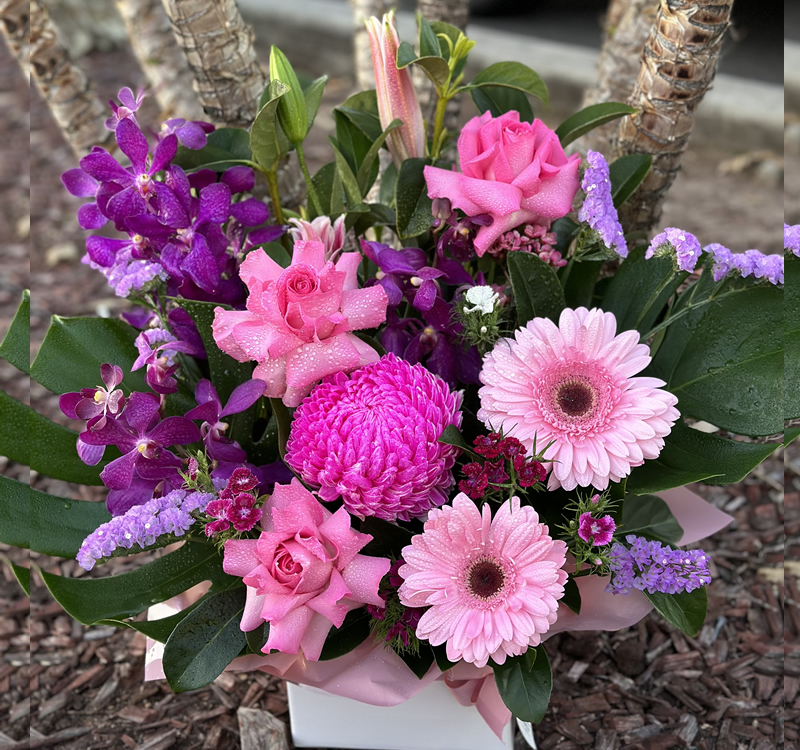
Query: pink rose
{"points": [[304, 573], [298, 321], [514, 171]]}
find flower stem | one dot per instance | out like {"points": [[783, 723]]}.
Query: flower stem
{"points": [[274, 194], [301, 157], [685, 311], [284, 423], [438, 126], [653, 298]]}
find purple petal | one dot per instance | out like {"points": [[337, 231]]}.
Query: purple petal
{"points": [[133, 143], [202, 178], [165, 152], [415, 257], [105, 168], [68, 402], [201, 266], [266, 234], [139, 492], [225, 450], [125, 204], [239, 179], [392, 261], [127, 98], [140, 411], [215, 204], [86, 409], [395, 340], [111, 374], [178, 182], [440, 315], [192, 135], [171, 258], [103, 250], [205, 392], [184, 328], [244, 396], [175, 431], [442, 361], [139, 317], [118, 474], [425, 296], [276, 472], [207, 412], [90, 217], [393, 291], [427, 273], [162, 467], [111, 433], [91, 455], [149, 226], [454, 273], [468, 366], [170, 210], [79, 184], [250, 212]]}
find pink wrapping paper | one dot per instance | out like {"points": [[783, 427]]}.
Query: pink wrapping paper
{"points": [[375, 675]]}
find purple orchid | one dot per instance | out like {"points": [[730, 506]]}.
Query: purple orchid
{"points": [[211, 411], [81, 185], [157, 349], [459, 236], [191, 133], [128, 106], [142, 437]]}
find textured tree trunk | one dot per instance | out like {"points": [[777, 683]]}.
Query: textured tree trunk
{"points": [[362, 54], [678, 66], [627, 26], [35, 43], [219, 47], [162, 61]]}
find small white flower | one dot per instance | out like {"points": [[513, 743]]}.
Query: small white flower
{"points": [[483, 299]]}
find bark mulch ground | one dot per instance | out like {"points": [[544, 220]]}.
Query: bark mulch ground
{"points": [[649, 687]]}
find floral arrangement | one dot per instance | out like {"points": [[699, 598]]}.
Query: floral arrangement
{"points": [[440, 413]]}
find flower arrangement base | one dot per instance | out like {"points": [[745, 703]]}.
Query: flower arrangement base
{"points": [[431, 720]]}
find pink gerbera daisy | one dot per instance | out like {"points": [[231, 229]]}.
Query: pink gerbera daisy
{"points": [[572, 383], [492, 586]]}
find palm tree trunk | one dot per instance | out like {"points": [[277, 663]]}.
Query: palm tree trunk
{"points": [[678, 66], [34, 41], [161, 60], [219, 48]]}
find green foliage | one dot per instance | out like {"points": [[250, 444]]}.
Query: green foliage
{"points": [[511, 75], [572, 595], [362, 110], [537, 291], [590, 118], [498, 100], [791, 316], [434, 67], [58, 526], [265, 137], [626, 174], [341, 641], [225, 148], [292, 111], [413, 205], [525, 683], [312, 95], [15, 348], [650, 517], [686, 611], [15, 513]]}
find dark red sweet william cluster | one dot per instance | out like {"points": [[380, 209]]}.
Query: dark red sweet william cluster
{"points": [[235, 504], [497, 449]]}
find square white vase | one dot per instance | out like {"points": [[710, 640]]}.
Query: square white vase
{"points": [[431, 720]]}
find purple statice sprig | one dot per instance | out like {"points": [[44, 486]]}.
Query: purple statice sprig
{"points": [[653, 567], [791, 238], [156, 523], [598, 209], [750, 263], [682, 246]]}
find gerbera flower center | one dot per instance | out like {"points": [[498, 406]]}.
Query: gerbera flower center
{"points": [[575, 398], [485, 578]]}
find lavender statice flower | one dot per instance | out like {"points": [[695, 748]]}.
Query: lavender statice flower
{"points": [[791, 238], [598, 209], [142, 525], [723, 260], [655, 568], [685, 246], [750, 263]]}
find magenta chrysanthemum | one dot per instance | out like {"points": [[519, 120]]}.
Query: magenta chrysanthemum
{"points": [[492, 585], [573, 383], [372, 438]]}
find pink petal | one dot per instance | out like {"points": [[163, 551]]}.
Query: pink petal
{"points": [[309, 251], [285, 634], [364, 308], [258, 266], [363, 576], [240, 557], [473, 196], [314, 637], [251, 617]]}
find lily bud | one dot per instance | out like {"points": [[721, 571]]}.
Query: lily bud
{"points": [[397, 99], [292, 105]]}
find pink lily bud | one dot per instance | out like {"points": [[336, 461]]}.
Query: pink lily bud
{"points": [[321, 230], [396, 96]]}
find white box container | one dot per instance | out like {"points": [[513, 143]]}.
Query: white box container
{"points": [[431, 720]]}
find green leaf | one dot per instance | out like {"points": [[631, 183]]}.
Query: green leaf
{"points": [[341, 641], [453, 436], [790, 434], [572, 595], [277, 252], [512, 75], [265, 142], [442, 29], [329, 191], [580, 284], [91, 599], [225, 148], [537, 290], [428, 42], [590, 118], [365, 176], [388, 185], [440, 654], [58, 526], [313, 96], [349, 181], [15, 513], [731, 372], [420, 663], [352, 143], [632, 287], [434, 67], [292, 112], [388, 539], [414, 207], [16, 346], [649, 516], [205, 642], [686, 611], [499, 100], [257, 639], [23, 576], [362, 110], [791, 316], [693, 456], [525, 683], [626, 174], [74, 348]]}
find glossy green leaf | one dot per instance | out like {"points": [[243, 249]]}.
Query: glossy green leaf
{"points": [[292, 112], [537, 290], [790, 434], [630, 291], [513, 75], [354, 631], [257, 639], [452, 436], [580, 284], [206, 641], [590, 118], [349, 181], [686, 611], [225, 148], [313, 96], [265, 141], [414, 207], [730, 373], [59, 525], [74, 348], [791, 316], [91, 599], [442, 29], [440, 654], [649, 516], [15, 513], [525, 683], [693, 456], [626, 174], [16, 346], [362, 110], [499, 100], [352, 143], [329, 191], [434, 67], [367, 172], [572, 595], [428, 41], [23, 576]]}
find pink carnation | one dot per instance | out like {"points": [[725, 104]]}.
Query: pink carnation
{"points": [[598, 531], [492, 585], [514, 171], [372, 439], [298, 320], [573, 384], [304, 573]]}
